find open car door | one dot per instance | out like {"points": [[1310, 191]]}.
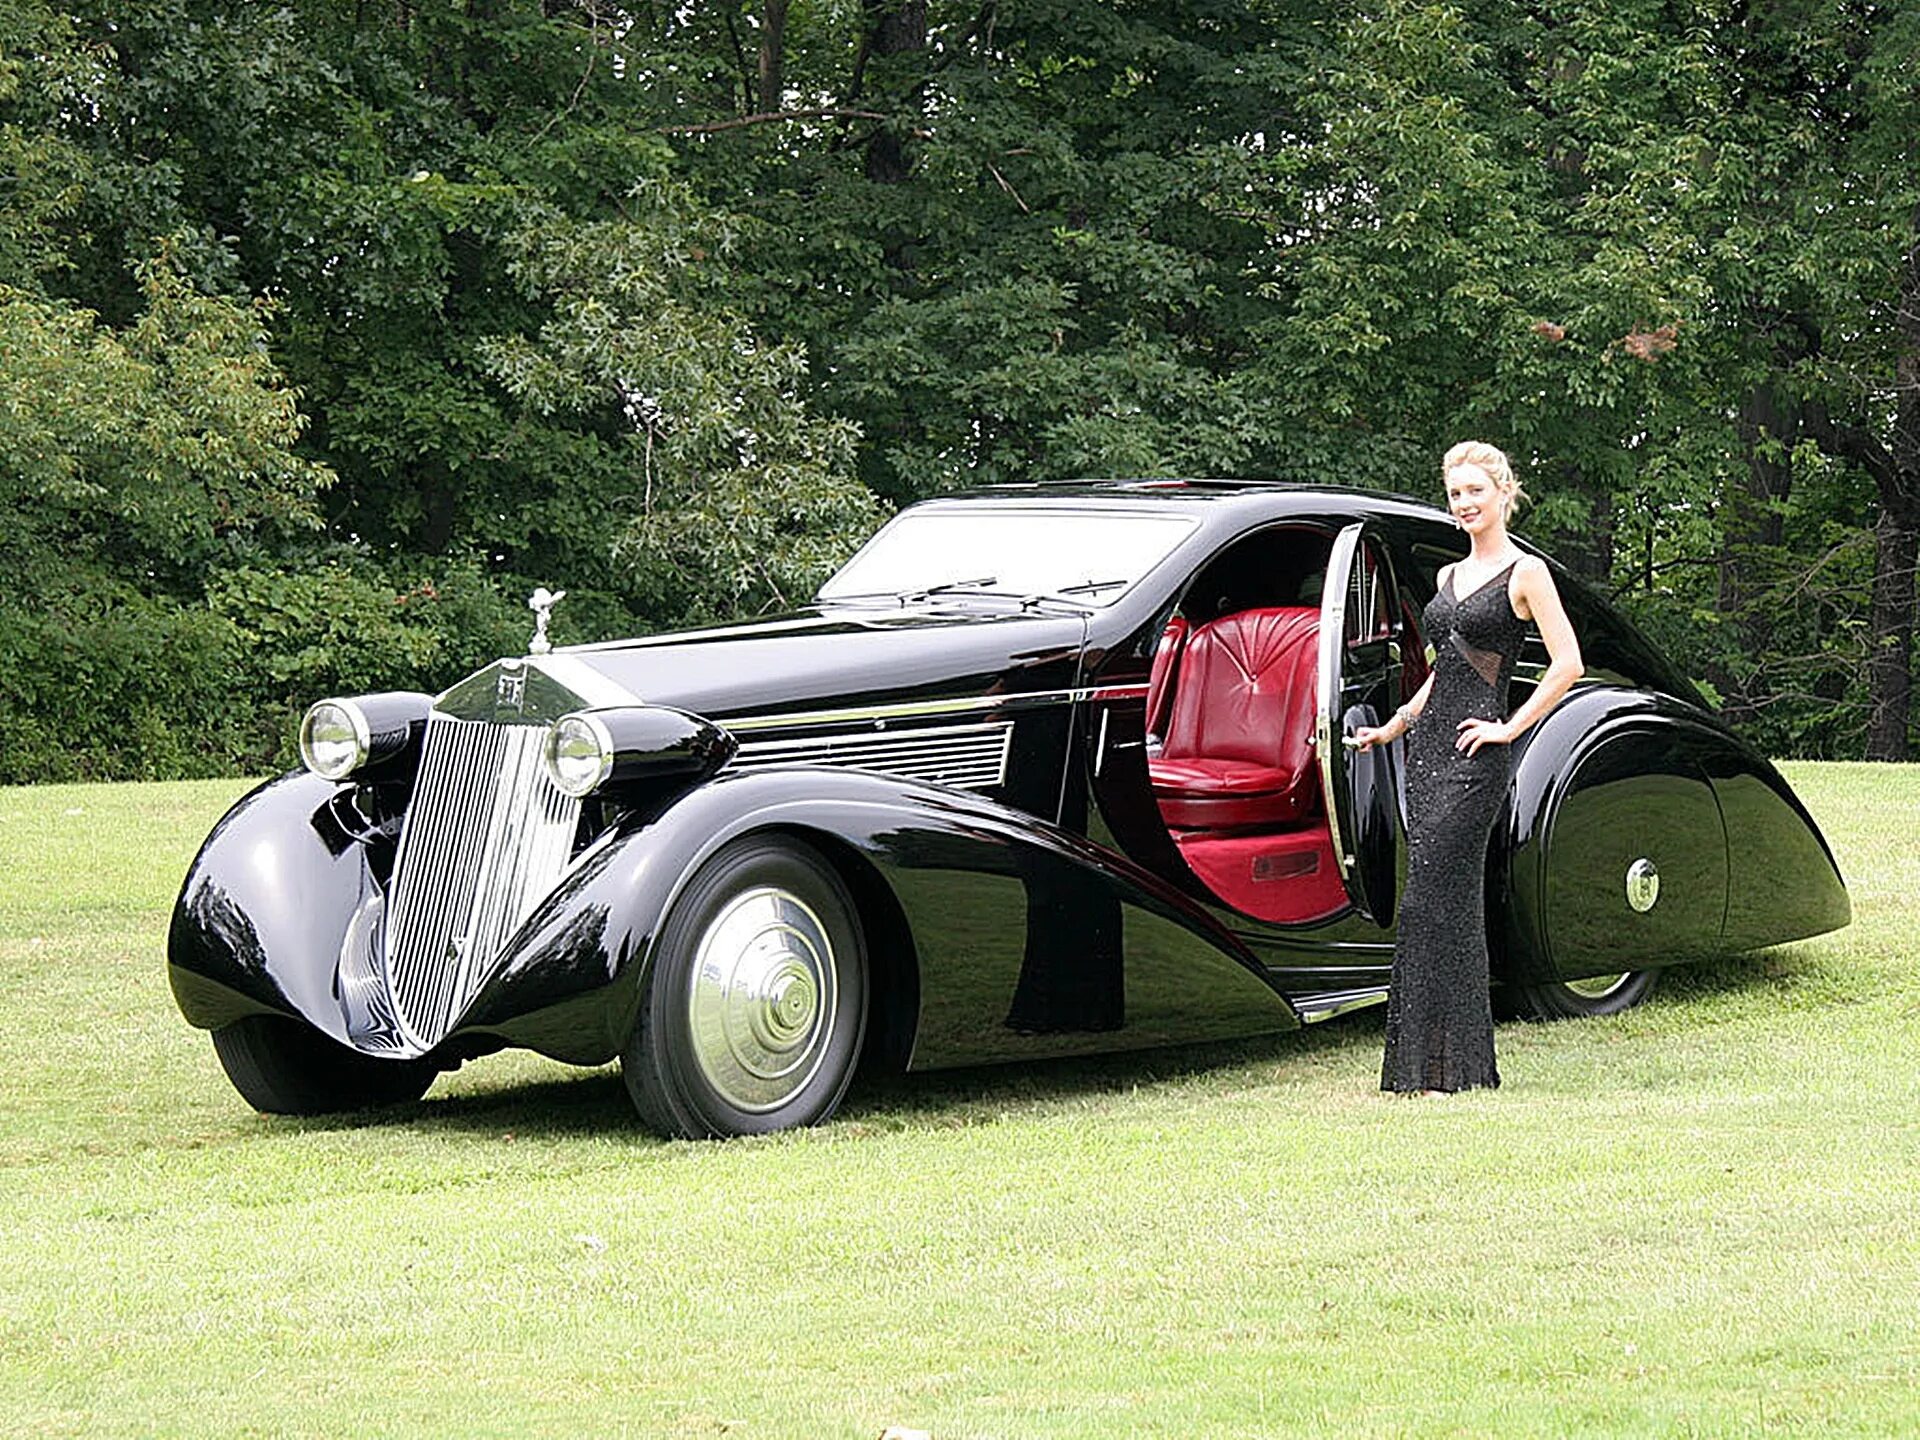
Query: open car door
{"points": [[1359, 685]]}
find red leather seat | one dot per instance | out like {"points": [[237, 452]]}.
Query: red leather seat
{"points": [[1237, 752], [1166, 661]]}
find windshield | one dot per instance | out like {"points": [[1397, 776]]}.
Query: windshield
{"points": [[1089, 558]]}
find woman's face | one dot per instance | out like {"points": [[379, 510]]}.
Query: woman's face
{"points": [[1474, 499]]}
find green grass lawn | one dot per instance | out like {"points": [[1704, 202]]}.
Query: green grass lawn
{"points": [[1702, 1218]]}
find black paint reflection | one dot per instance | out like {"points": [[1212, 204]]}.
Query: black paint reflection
{"points": [[1073, 975]]}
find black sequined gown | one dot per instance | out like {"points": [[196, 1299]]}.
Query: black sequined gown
{"points": [[1439, 1019]]}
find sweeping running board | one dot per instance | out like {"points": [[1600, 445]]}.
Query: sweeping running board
{"points": [[1327, 1004]]}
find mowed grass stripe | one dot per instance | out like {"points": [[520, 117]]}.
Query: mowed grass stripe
{"points": [[1695, 1219]]}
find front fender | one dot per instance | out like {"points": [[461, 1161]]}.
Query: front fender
{"points": [[1024, 940], [265, 906]]}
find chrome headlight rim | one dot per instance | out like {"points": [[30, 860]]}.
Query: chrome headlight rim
{"points": [[570, 776], [360, 736]]}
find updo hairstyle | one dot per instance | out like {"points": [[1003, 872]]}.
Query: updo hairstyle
{"points": [[1491, 459]]}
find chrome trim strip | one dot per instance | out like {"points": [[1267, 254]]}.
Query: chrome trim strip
{"points": [[909, 709], [1333, 630], [1313, 953], [1314, 1008]]}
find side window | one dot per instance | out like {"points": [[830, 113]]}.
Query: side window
{"points": [[1424, 583], [1280, 565], [1369, 612], [1419, 583]]}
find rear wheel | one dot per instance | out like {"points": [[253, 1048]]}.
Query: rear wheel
{"points": [[285, 1067], [1595, 995], [753, 1016]]}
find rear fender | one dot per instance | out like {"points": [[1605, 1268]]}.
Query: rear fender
{"points": [[1643, 833]]}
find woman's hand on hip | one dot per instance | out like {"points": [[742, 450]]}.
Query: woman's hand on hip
{"points": [[1475, 733]]}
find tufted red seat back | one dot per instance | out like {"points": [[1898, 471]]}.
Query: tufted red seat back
{"points": [[1237, 752], [1166, 658]]}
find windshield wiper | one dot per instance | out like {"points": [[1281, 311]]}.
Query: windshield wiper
{"points": [[908, 596], [1089, 585], [977, 583], [1061, 596]]}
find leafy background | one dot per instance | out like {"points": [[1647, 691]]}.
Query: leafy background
{"points": [[328, 330]]}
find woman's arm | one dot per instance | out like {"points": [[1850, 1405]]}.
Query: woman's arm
{"points": [[1538, 600]]}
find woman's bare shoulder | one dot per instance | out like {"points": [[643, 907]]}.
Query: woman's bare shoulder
{"points": [[1532, 577]]}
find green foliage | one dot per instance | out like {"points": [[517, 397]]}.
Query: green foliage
{"points": [[343, 627], [136, 461], [101, 682], [666, 306], [1057, 283], [152, 447], [746, 499]]}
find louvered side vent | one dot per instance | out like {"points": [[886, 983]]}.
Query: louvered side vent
{"points": [[486, 837], [971, 757]]}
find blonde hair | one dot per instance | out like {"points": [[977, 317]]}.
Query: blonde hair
{"points": [[1491, 459]]}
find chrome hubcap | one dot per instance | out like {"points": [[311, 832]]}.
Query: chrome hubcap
{"points": [[1598, 987], [762, 999]]}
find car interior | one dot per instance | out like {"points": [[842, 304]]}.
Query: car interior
{"points": [[1230, 719]]}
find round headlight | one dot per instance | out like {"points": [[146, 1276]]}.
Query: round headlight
{"points": [[334, 739], [579, 754]]}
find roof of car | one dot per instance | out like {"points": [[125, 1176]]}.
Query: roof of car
{"points": [[1198, 492]]}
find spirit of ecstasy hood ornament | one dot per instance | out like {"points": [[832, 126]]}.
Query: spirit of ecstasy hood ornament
{"points": [[541, 602]]}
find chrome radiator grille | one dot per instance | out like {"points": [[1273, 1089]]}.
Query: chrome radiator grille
{"points": [[485, 838], [972, 757]]}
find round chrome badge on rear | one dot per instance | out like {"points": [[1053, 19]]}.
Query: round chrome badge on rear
{"points": [[1643, 885]]}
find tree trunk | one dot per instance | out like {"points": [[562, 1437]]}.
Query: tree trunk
{"points": [[1751, 527], [1896, 545], [773, 32], [1588, 553], [437, 509], [1765, 414], [899, 27], [1897, 533]]}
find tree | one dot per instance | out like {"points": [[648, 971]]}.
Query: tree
{"points": [[745, 500], [135, 461]]}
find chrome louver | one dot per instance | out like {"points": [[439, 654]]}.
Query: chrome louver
{"points": [[485, 838], [971, 757]]}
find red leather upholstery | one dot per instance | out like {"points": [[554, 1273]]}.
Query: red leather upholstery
{"points": [[1166, 660], [1288, 878], [1236, 754]]}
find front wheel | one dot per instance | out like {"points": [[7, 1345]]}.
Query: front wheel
{"points": [[753, 1016], [285, 1067], [1573, 999]]}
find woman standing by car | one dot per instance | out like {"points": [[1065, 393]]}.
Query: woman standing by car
{"points": [[1439, 1013]]}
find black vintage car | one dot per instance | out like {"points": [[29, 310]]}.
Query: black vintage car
{"points": [[1041, 771]]}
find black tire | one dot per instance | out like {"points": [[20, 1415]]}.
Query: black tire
{"points": [[779, 1026], [284, 1067], [1578, 999]]}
